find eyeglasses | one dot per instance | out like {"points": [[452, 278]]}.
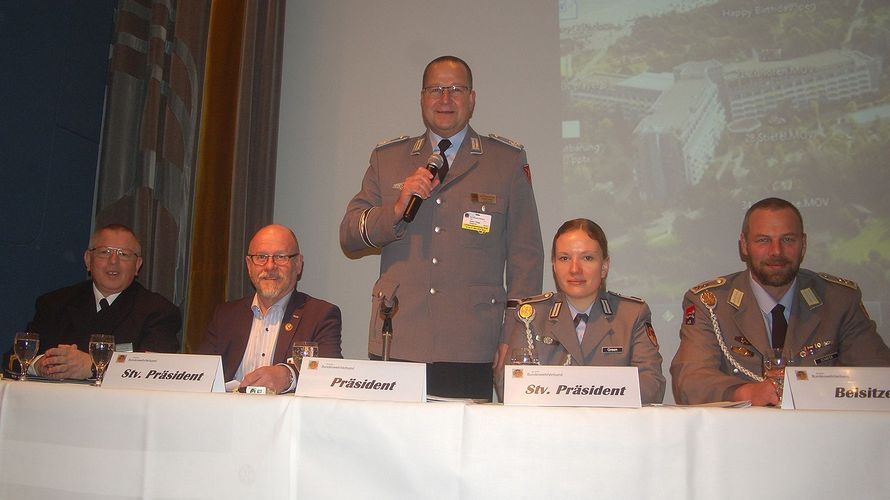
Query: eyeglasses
{"points": [[280, 259], [453, 90], [107, 252]]}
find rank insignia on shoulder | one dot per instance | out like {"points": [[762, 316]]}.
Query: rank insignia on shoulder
{"points": [[707, 284], [840, 281], [475, 146], [418, 145], [506, 141], [554, 311], [627, 297], [391, 141], [735, 298], [810, 297], [607, 308]]}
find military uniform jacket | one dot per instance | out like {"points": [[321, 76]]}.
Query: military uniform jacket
{"points": [[618, 333], [449, 281], [137, 316], [828, 326]]}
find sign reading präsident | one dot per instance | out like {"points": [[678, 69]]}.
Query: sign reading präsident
{"points": [[362, 379], [604, 386], [165, 372], [836, 388]]}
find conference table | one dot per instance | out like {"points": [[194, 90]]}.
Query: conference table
{"points": [[73, 441]]}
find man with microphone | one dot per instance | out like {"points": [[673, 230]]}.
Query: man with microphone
{"points": [[448, 252]]}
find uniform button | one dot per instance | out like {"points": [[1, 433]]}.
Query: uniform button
{"points": [[432, 291], [492, 301], [435, 260], [436, 229], [483, 208], [735, 370], [438, 201]]}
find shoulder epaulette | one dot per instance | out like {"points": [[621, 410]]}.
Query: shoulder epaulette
{"points": [[514, 303], [701, 287], [627, 297], [840, 281], [391, 141], [536, 298], [506, 141]]}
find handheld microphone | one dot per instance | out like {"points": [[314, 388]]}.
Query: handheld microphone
{"points": [[432, 165]]}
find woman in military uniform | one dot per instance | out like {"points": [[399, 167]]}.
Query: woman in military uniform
{"points": [[582, 324]]}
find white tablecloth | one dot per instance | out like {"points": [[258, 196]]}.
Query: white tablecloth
{"points": [[73, 441]]}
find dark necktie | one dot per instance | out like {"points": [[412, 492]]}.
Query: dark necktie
{"points": [[780, 326], [444, 144], [103, 304], [579, 318]]}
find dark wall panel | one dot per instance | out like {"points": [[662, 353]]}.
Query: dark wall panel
{"points": [[54, 68]]}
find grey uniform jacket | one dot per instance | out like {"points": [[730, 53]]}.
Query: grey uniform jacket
{"points": [[449, 280], [618, 333], [828, 326]]}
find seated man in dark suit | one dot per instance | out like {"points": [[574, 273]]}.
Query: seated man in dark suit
{"points": [[254, 334], [111, 302]]}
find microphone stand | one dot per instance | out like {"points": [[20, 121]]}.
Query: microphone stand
{"points": [[387, 325]]}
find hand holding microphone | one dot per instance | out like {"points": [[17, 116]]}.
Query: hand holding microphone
{"points": [[433, 164]]}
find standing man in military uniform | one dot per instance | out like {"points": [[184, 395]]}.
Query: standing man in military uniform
{"points": [[447, 265], [731, 323]]}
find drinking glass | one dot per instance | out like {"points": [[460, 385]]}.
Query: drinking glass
{"points": [[774, 364], [523, 356], [101, 350], [25, 347], [304, 349]]}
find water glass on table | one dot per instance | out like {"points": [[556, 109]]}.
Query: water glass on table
{"points": [[774, 364], [304, 349], [101, 350], [25, 347], [523, 356]]}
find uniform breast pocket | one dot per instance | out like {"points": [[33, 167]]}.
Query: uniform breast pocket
{"points": [[482, 227]]}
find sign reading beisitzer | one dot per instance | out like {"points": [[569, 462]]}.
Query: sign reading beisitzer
{"points": [[836, 388]]}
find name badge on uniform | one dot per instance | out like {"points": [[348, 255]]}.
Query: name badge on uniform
{"points": [[613, 349], [475, 221]]}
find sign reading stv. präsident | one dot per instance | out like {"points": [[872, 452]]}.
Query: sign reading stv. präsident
{"points": [[362, 379], [836, 388], [603, 386], [165, 372]]}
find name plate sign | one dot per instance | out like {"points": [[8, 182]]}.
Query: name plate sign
{"points": [[362, 379], [165, 372], [602, 386], [836, 388]]}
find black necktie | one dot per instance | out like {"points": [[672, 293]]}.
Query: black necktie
{"points": [[444, 144], [579, 318], [780, 326], [103, 304]]}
